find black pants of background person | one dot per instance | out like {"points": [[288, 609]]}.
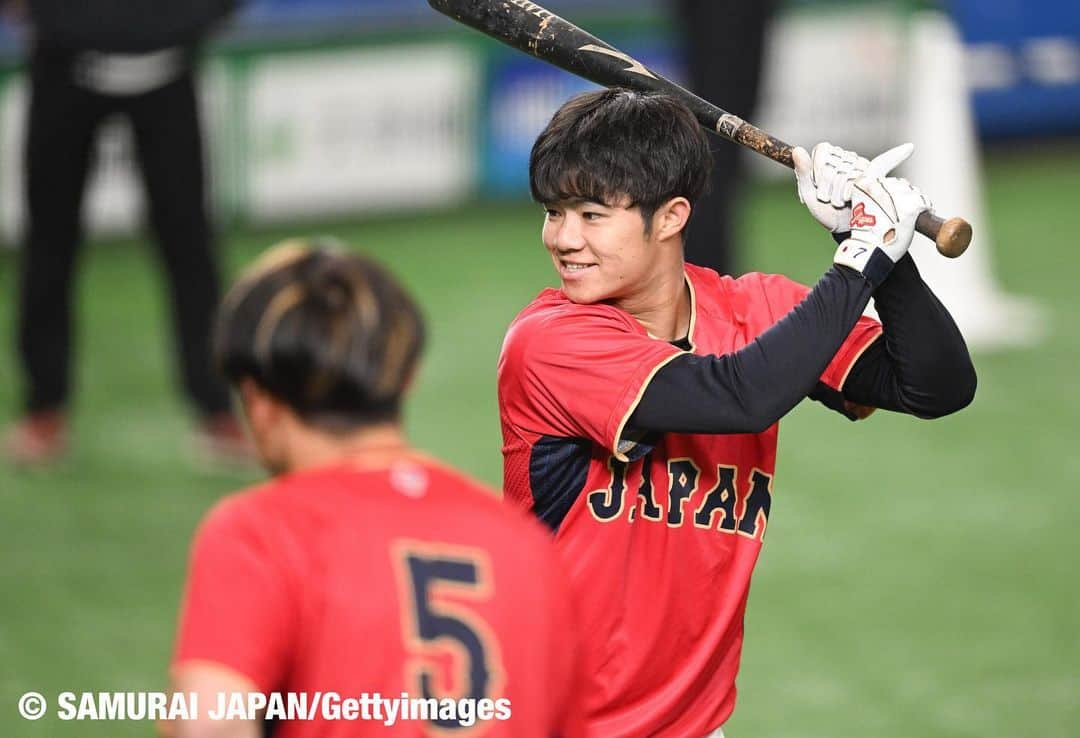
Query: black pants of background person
{"points": [[63, 119], [723, 42]]}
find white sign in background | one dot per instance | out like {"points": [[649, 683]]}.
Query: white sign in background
{"points": [[320, 133], [832, 76], [350, 130]]}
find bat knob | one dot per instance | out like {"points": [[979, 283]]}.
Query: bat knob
{"points": [[954, 237]]}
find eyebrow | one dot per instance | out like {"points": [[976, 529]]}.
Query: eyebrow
{"points": [[577, 201]]}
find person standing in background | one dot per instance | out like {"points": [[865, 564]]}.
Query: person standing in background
{"points": [[87, 62], [724, 45]]}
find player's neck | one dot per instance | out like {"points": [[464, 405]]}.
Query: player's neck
{"points": [[664, 307], [372, 444]]}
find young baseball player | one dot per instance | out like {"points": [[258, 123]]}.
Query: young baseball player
{"points": [[388, 592], [639, 402]]}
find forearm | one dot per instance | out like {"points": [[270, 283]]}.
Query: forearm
{"points": [[208, 681], [748, 390], [921, 365]]}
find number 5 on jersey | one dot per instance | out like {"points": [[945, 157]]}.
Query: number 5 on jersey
{"points": [[454, 653]]}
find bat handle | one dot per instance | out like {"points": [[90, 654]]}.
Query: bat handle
{"points": [[952, 236]]}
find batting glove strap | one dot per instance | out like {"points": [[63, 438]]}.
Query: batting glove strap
{"points": [[873, 263]]}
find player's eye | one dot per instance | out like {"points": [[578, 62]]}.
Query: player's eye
{"points": [[552, 213], [592, 215]]}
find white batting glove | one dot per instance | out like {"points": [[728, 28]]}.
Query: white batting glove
{"points": [[825, 176], [882, 222]]}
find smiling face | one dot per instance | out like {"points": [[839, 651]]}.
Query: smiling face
{"points": [[601, 252], [618, 172]]}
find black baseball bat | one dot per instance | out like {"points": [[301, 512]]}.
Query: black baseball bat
{"points": [[537, 31]]}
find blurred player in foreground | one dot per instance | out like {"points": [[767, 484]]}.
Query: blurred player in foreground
{"points": [[364, 566], [639, 402]]}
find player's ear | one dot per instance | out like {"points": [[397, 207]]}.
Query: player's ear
{"points": [[671, 218], [260, 409], [407, 385], [268, 421]]}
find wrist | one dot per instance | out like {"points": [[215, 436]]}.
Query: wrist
{"points": [[870, 261]]}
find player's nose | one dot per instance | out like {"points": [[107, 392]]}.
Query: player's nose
{"points": [[569, 235]]}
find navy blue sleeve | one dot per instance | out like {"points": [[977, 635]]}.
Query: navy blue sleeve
{"points": [[920, 365], [748, 390]]}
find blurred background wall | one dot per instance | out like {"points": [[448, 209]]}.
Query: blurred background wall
{"points": [[328, 107]]}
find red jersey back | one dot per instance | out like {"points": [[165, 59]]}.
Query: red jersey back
{"points": [[404, 577], [660, 534]]}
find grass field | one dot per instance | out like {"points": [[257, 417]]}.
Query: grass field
{"points": [[915, 578]]}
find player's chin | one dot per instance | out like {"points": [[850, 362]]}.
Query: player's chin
{"points": [[581, 294]]}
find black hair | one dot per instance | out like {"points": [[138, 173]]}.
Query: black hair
{"points": [[610, 145], [329, 333]]}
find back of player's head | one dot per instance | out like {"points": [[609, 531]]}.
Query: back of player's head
{"points": [[329, 333], [611, 145]]}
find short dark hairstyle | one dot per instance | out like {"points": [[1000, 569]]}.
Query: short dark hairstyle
{"points": [[329, 333], [611, 144]]}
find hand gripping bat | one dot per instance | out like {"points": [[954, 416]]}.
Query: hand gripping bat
{"points": [[531, 28]]}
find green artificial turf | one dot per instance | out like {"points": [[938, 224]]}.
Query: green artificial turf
{"points": [[915, 579]]}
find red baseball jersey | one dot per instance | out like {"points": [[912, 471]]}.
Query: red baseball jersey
{"points": [[397, 577], [659, 536]]}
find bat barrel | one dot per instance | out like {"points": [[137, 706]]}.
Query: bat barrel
{"points": [[537, 31]]}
